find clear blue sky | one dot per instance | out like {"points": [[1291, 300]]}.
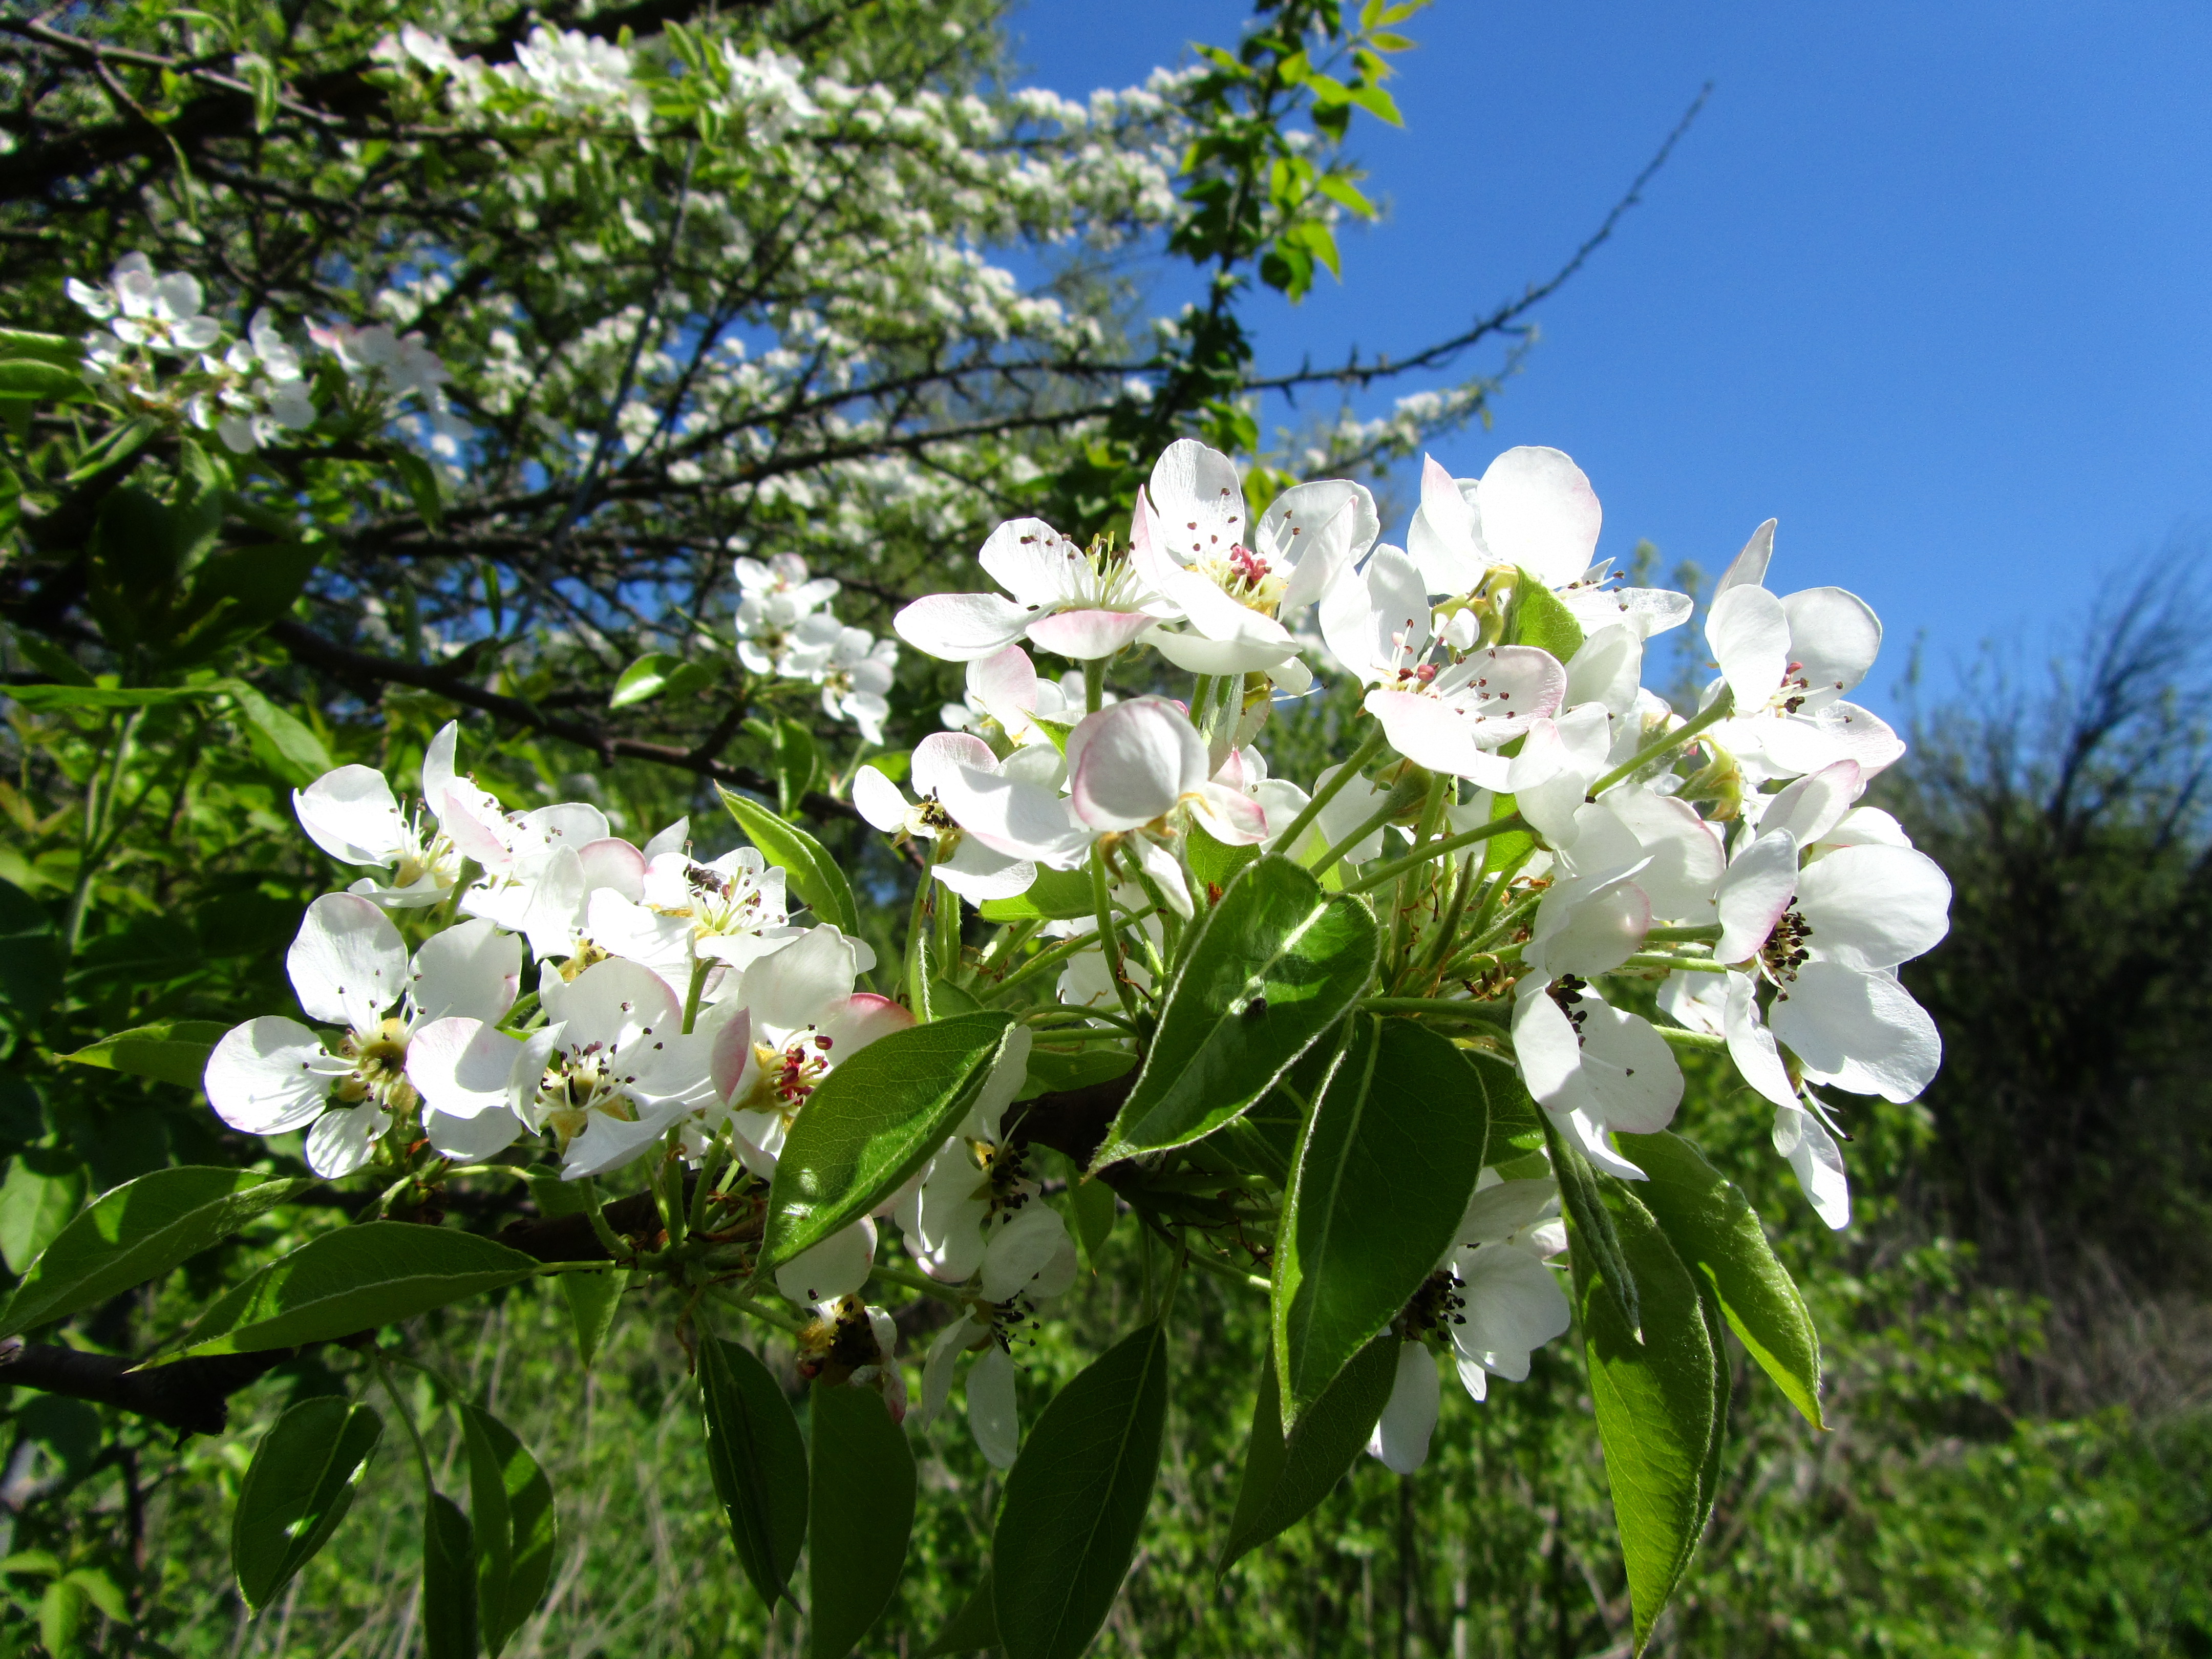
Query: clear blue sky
{"points": [[1931, 283]]}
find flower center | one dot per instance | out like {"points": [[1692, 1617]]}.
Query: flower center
{"points": [[1784, 951]]}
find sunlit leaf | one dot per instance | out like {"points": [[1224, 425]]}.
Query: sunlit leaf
{"points": [[296, 1491]]}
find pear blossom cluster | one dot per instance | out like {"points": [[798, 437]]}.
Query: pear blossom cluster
{"points": [[159, 352], [784, 630], [675, 1006], [1706, 880]]}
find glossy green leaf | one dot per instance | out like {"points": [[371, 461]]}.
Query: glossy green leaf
{"points": [[1054, 1070], [1656, 1401], [1214, 863], [449, 1580], [860, 1507], [758, 1462], [1270, 968], [168, 1051], [352, 1281], [1054, 896], [103, 696], [1516, 1124], [139, 1232], [643, 680], [798, 765], [808, 868], [1285, 1480], [281, 741], [974, 1629], [296, 1491], [511, 1517], [1096, 1211], [43, 1189], [16, 343], [1075, 1501], [1389, 1160], [33, 377], [1541, 618], [61, 1617], [1713, 1229], [421, 480], [1589, 1223], [874, 1120], [593, 1300]]}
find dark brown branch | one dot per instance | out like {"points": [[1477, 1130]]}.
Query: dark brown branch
{"points": [[188, 1395]]}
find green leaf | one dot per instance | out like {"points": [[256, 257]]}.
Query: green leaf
{"points": [[859, 1506], [61, 1616], [449, 1580], [1054, 896], [644, 679], [1095, 1212], [1517, 1125], [30, 959], [1212, 862], [421, 480], [798, 764], [758, 1462], [807, 867], [1284, 1481], [49, 658], [45, 1186], [1268, 970], [296, 1491], [168, 1051], [31, 377], [1656, 1401], [874, 1120], [593, 1299], [1590, 1224], [511, 1516], [974, 1629], [1389, 1160], [1076, 1499], [1051, 1071], [16, 343], [103, 1592], [1541, 618], [941, 999], [237, 592], [281, 742], [1713, 1229], [103, 696], [352, 1281], [137, 1232]]}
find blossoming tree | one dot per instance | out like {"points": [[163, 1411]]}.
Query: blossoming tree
{"points": [[851, 1104]]}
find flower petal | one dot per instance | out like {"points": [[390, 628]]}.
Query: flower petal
{"points": [[1401, 1439], [1875, 907], [1131, 763], [264, 1078], [1198, 503], [836, 1267], [1818, 1162], [1862, 1031], [962, 627], [1833, 638], [992, 1413], [1749, 633], [348, 963], [1087, 635], [472, 968], [1753, 894], [1540, 512], [344, 1139], [350, 814], [1034, 562]]}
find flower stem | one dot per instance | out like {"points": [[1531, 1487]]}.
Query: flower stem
{"points": [[1437, 849], [746, 1305], [699, 971], [1094, 685], [1489, 1013], [1051, 956], [1328, 792], [1109, 939], [914, 1281], [1720, 707]]}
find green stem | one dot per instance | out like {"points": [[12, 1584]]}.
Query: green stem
{"points": [[1676, 1037], [1328, 792], [1447, 923], [1719, 710], [407, 1421], [1094, 685], [1506, 923], [616, 1246], [1436, 849], [1688, 964], [1382, 815], [1489, 1014], [914, 1281], [1110, 939], [1052, 956], [699, 972], [1011, 938], [746, 1305], [1704, 935]]}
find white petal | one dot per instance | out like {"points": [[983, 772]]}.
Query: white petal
{"points": [[620, 1005], [979, 874], [1813, 806], [1294, 521], [1875, 907], [1833, 638], [1749, 633], [1131, 763], [1445, 537], [1429, 735], [437, 775], [1033, 561], [612, 864], [1631, 1070], [943, 753], [1020, 820], [1606, 669], [1024, 1246], [472, 1139], [1686, 857], [1513, 1307], [1197, 501], [1751, 1045], [264, 1078], [797, 985], [961, 627], [1008, 1072], [1840, 730], [350, 814], [1748, 567], [1818, 1162], [1593, 935], [1340, 538], [348, 963], [472, 968], [344, 1139], [1538, 512], [1755, 893], [993, 1414], [836, 1267], [1402, 1437], [463, 1067], [1196, 653], [1496, 1212], [672, 839], [1862, 1031], [877, 800]]}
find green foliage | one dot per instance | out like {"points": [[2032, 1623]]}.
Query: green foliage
{"points": [[296, 1491], [758, 1462], [859, 1510]]}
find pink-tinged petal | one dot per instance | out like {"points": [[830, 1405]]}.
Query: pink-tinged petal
{"points": [[613, 863], [730, 1056], [1087, 635], [474, 823], [473, 969], [1834, 636], [347, 964], [962, 627], [1749, 633], [1131, 763], [860, 1019], [437, 775], [943, 753], [877, 800], [1233, 816], [1875, 907], [350, 814], [1816, 803], [1019, 819], [1839, 731], [1688, 860], [1540, 512], [1818, 1162], [1033, 561], [1429, 735], [1751, 1045], [1504, 688], [979, 875], [343, 1140], [1401, 1440], [1753, 895], [1199, 502], [1862, 1031], [1748, 567], [268, 1076], [462, 1067], [1005, 681]]}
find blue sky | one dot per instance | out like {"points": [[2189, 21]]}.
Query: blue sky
{"points": [[1933, 284]]}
